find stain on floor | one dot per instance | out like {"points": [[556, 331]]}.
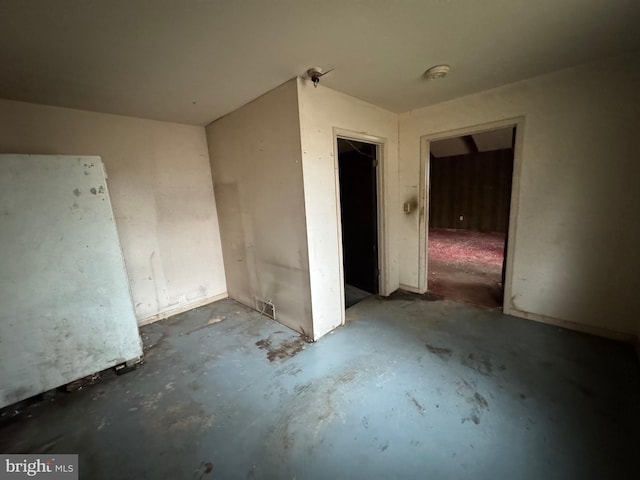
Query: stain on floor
{"points": [[441, 352], [281, 349]]}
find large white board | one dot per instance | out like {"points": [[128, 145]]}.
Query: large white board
{"points": [[65, 305]]}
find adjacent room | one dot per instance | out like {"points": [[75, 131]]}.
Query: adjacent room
{"points": [[469, 204], [357, 167], [284, 239]]}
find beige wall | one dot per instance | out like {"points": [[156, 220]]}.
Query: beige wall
{"points": [[273, 164], [161, 190], [321, 111], [576, 236], [257, 172]]}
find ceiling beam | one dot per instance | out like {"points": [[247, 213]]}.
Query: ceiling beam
{"points": [[470, 143]]}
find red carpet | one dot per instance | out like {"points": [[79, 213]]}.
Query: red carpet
{"points": [[466, 266], [463, 246]]}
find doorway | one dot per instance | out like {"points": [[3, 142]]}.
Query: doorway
{"points": [[358, 188], [470, 187]]}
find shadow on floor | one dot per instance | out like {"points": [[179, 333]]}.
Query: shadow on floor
{"points": [[353, 295], [466, 266]]}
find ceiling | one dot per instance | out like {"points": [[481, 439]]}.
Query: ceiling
{"points": [[485, 141], [192, 61]]}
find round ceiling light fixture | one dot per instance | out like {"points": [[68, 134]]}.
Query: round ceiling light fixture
{"points": [[436, 72]]}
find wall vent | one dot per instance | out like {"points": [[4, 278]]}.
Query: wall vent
{"points": [[266, 308]]}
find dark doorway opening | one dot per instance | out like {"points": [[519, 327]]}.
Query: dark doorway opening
{"points": [[469, 206], [357, 168]]}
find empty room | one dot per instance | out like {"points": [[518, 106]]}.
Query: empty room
{"points": [[289, 239]]}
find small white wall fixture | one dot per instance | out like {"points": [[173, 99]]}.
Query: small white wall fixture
{"points": [[519, 124]]}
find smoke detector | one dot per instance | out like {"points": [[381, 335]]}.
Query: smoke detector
{"points": [[436, 72]]}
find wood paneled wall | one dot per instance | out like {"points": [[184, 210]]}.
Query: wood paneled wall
{"points": [[476, 187]]}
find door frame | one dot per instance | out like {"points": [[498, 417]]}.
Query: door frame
{"points": [[423, 222], [381, 145]]}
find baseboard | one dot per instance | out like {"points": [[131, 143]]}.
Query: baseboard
{"points": [[579, 327], [182, 308]]}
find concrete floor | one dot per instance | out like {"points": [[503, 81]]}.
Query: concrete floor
{"points": [[407, 389]]}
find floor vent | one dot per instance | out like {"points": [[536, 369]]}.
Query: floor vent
{"points": [[266, 308]]}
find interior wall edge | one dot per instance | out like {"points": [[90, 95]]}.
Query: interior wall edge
{"points": [[312, 333]]}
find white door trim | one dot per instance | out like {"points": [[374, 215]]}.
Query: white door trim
{"points": [[383, 256], [423, 222]]}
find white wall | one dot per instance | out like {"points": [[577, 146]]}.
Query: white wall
{"points": [[322, 110], [257, 171], [161, 190], [577, 229]]}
